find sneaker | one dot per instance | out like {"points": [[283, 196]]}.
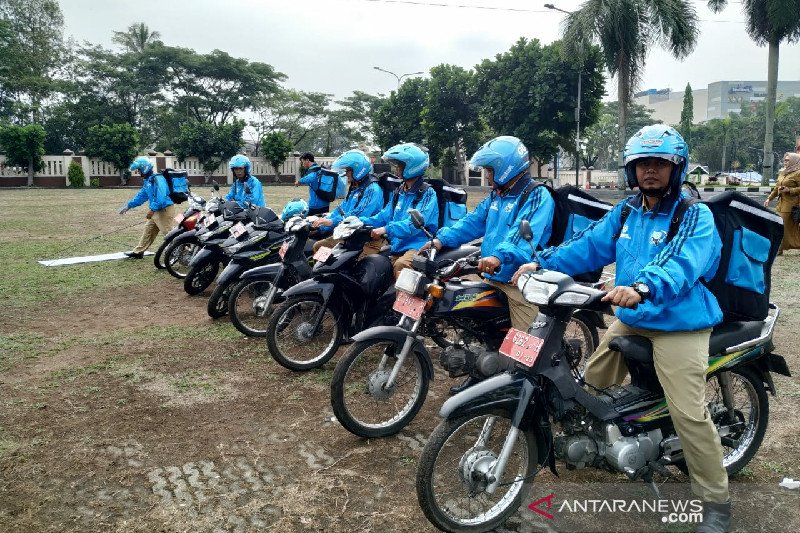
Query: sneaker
{"points": [[134, 255]]}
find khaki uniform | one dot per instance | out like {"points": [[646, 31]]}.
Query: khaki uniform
{"points": [[786, 201], [162, 220], [522, 312]]}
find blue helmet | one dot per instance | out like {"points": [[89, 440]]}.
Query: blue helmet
{"points": [[355, 160], [143, 165], [658, 140], [296, 206], [415, 160], [505, 155], [240, 160]]}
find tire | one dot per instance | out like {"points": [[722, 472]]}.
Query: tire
{"points": [[358, 397], [588, 337], [178, 255], [246, 307], [445, 492], [751, 405], [200, 277], [157, 259], [287, 334], [217, 306]]}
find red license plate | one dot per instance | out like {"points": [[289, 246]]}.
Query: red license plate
{"points": [[323, 254], [521, 347], [284, 249], [179, 218], [409, 305], [237, 230]]}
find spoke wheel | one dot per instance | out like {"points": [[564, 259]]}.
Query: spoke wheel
{"points": [[292, 340], [248, 307]]}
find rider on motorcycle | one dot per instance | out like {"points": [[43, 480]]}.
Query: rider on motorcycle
{"points": [[240, 165], [364, 198], [393, 222], [660, 295]]}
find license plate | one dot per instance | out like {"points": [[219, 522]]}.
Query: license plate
{"points": [[323, 254], [521, 347], [210, 219], [284, 249], [179, 218], [409, 305], [237, 230]]}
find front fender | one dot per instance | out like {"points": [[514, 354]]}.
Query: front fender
{"points": [[263, 272], [203, 255], [230, 274], [173, 232], [312, 287], [398, 335], [501, 392]]}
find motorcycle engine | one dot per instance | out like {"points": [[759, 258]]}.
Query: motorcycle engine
{"points": [[473, 359], [629, 454]]}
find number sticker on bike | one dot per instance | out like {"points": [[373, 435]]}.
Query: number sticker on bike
{"points": [[284, 249], [323, 254], [237, 230], [521, 347], [210, 219], [409, 305], [179, 218]]}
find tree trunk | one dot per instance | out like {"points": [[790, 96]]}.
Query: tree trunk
{"points": [[772, 89], [622, 101], [31, 171]]}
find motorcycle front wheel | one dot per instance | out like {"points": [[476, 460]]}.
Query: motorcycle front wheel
{"points": [[292, 340], [158, 259], [248, 306], [179, 254], [454, 466], [201, 276], [360, 399], [217, 306]]}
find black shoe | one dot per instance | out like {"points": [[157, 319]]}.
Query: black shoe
{"points": [[469, 382], [134, 255], [716, 518]]}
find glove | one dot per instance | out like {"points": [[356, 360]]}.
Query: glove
{"points": [[122, 210]]}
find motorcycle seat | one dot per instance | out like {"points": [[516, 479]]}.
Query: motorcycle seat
{"points": [[452, 254], [723, 336], [633, 347]]}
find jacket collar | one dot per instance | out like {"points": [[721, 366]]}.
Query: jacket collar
{"points": [[664, 206], [518, 187], [414, 188]]}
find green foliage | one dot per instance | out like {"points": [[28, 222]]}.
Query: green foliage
{"points": [[115, 143], [75, 175], [299, 115], [137, 38], [600, 139], [399, 118], [687, 114], [24, 147], [94, 182], [276, 147], [212, 144]]}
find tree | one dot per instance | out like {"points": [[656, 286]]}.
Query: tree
{"points": [[24, 147], [297, 114], [769, 22], [114, 143], [625, 31], [358, 112], [600, 138], [277, 147], [399, 117], [687, 114], [212, 144], [137, 38]]}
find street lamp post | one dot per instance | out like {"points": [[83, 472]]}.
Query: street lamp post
{"points": [[577, 109], [396, 76]]}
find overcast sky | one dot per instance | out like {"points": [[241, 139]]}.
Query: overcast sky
{"points": [[332, 45]]}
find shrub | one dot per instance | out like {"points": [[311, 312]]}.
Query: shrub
{"points": [[75, 175], [94, 182]]}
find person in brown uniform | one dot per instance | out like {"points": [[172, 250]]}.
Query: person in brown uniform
{"points": [[787, 190]]}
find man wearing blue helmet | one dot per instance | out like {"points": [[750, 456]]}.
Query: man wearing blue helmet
{"points": [[246, 188], [161, 215], [660, 295], [515, 197], [393, 222], [316, 205], [364, 198]]}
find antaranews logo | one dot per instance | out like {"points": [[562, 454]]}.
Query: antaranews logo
{"points": [[671, 511]]}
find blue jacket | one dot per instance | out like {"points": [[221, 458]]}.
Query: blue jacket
{"points": [[400, 231], [679, 301], [497, 218], [312, 180], [255, 197], [362, 201], [155, 190]]}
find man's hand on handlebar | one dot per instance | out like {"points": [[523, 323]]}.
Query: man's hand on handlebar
{"points": [[377, 233], [623, 297], [527, 267], [322, 222], [436, 243], [488, 265]]}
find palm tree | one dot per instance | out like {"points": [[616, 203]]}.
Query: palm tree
{"points": [[769, 22], [625, 30], [136, 38]]}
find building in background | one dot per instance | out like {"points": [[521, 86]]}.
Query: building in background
{"points": [[667, 105]]}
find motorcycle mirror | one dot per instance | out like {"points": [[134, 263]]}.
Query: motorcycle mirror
{"points": [[525, 230], [416, 218]]}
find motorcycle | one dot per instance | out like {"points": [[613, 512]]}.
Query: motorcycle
{"points": [[252, 298], [480, 460], [187, 221], [345, 295], [381, 382]]}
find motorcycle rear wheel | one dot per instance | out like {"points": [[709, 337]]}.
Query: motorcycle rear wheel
{"points": [[247, 309], [158, 258], [290, 340], [359, 398], [178, 254], [450, 476], [587, 336], [200, 277]]}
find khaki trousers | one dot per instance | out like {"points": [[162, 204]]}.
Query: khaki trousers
{"points": [[399, 261], [681, 360], [330, 242], [522, 312], [162, 220]]}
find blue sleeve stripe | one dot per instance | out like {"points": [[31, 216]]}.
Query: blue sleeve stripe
{"points": [[688, 226], [536, 202]]}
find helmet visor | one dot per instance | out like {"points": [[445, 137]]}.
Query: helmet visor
{"points": [[672, 158]]}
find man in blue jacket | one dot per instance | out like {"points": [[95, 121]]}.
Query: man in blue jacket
{"points": [[393, 222], [660, 296], [316, 205], [162, 211], [515, 197], [246, 188], [364, 198]]}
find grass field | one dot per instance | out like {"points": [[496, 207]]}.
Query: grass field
{"points": [[125, 408]]}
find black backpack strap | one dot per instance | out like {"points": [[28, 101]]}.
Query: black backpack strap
{"points": [[623, 216], [677, 217], [523, 197], [417, 196]]}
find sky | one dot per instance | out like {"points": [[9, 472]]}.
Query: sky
{"points": [[332, 46]]}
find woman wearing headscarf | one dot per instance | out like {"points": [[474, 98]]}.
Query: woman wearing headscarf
{"points": [[787, 190]]}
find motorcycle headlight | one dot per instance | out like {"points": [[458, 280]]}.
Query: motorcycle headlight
{"points": [[535, 291], [409, 281], [571, 298]]}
